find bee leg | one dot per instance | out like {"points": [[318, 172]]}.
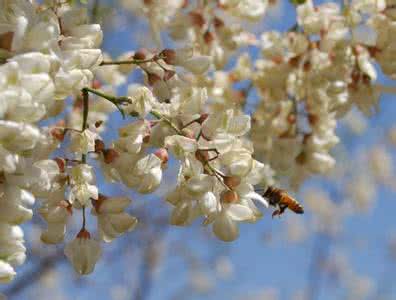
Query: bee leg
{"points": [[282, 208], [280, 211], [276, 213]]}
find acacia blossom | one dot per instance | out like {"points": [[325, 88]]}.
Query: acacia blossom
{"points": [[190, 107]]}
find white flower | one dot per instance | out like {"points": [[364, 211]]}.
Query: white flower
{"points": [[55, 212], [225, 225], [209, 204], [197, 64], [54, 234], [112, 220], [192, 100], [71, 82], [12, 249], [143, 174], [180, 145], [368, 6], [243, 68], [308, 18], [226, 122], [83, 252], [199, 184], [142, 100], [83, 142], [148, 173], [18, 136], [239, 162], [132, 135], [182, 214], [249, 9], [8, 160], [82, 173], [83, 193], [7, 273], [45, 174], [13, 202]]}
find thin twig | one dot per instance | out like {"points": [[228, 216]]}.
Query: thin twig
{"points": [[319, 253], [129, 61], [159, 116]]}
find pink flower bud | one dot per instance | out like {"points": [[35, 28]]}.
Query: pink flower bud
{"points": [[84, 234], [99, 146], [229, 197], [162, 154], [110, 155], [61, 163], [58, 133], [232, 181], [169, 56]]}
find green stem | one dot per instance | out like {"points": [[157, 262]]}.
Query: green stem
{"points": [[83, 127], [117, 101], [84, 218], [123, 99], [113, 99], [85, 109], [128, 62], [85, 117], [95, 11]]}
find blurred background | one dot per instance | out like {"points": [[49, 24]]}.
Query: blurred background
{"points": [[343, 247]]}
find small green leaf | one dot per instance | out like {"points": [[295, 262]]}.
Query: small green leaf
{"points": [[298, 2]]}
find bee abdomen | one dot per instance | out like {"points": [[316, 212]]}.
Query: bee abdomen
{"points": [[297, 208], [293, 205]]}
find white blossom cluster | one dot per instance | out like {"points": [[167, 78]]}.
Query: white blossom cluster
{"points": [[187, 106], [47, 53], [310, 77]]}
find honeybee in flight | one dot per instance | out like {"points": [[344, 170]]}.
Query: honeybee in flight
{"points": [[282, 200]]}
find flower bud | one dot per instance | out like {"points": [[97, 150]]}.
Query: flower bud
{"points": [[153, 78], [217, 22], [162, 154], [202, 156], [61, 164], [7, 273], [96, 84], [139, 55], [54, 234], [6, 40], [197, 19], [110, 155], [181, 214], [208, 37], [169, 56], [58, 134], [202, 118], [83, 252], [232, 181], [99, 146], [229, 197]]}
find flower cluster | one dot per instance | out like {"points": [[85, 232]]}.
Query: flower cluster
{"points": [[47, 53], [188, 106], [311, 76]]}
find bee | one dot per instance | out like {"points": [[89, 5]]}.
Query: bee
{"points": [[282, 200]]}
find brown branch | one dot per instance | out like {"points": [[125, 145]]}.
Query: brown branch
{"points": [[30, 277]]}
